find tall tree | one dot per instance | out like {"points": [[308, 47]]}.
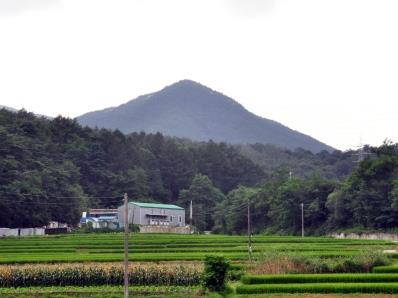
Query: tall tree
{"points": [[204, 196]]}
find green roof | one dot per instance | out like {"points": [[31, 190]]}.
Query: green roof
{"points": [[154, 205]]}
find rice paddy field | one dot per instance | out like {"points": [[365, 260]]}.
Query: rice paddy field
{"points": [[151, 248], [90, 265]]}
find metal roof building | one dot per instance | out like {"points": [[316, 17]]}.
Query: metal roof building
{"points": [[152, 214]]}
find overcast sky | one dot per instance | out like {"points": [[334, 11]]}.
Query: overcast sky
{"points": [[326, 68]]}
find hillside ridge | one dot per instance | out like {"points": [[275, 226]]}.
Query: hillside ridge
{"points": [[191, 110]]}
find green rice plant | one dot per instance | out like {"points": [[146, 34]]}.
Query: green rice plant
{"points": [[107, 247], [325, 288], [386, 269], [100, 291], [320, 278]]}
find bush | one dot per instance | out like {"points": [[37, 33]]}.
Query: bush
{"points": [[215, 273]]}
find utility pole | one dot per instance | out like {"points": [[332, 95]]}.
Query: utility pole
{"points": [[361, 152], [190, 214], [249, 232], [302, 219], [126, 246]]}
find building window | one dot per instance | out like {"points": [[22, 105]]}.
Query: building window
{"points": [[171, 218], [179, 218]]}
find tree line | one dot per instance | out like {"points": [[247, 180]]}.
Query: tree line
{"points": [[366, 200], [55, 169]]}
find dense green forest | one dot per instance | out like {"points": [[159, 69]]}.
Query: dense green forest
{"points": [[366, 200], [302, 163], [54, 169]]}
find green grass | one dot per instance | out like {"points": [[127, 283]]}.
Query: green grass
{"points": [[101, 291], [388, 288], [151, 247], [386, 269], [165, 247], [320, 278]]}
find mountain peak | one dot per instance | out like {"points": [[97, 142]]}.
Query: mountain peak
{"points": [[186, 85], [191, 110], [186, 82]]}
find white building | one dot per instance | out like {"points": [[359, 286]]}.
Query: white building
{"points": [[151, 214]]}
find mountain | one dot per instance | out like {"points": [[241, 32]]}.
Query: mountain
{"points": [[15, 111], [190, 110], [8, 108]]}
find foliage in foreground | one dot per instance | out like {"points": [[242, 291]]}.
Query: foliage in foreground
{"points": [[215, 273]]}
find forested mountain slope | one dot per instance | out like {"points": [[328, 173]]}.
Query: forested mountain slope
{"points": [[366, 200], [191, 110], [53, 169], [301, 163]]}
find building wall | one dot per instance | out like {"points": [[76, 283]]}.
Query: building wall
{"points": [[134, 215], [165, 229], [5, 232], [137, 215], [170, 213]]}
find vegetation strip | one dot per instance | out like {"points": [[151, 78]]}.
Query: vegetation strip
{"points": [[386, 269], [389, 288], [319, 278], [108, 274], [108, 247], [100, 289]]}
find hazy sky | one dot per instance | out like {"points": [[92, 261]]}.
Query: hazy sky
{"points": [[328, 68]]}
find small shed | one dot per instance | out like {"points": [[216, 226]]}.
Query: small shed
{"points": [[153, 214]]}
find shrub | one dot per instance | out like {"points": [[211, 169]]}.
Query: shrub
{"points": [[215, 273]]}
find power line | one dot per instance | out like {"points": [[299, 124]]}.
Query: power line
{"points": [[115, 199]]}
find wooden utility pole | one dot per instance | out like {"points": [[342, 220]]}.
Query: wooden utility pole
{"points": [[249, 232], [190, 214], [302, 219], [126, 246]]}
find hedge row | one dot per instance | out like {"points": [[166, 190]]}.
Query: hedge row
{"points": [[319, 278], [324, 288]]}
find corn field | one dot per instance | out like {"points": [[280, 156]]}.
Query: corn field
{"points": [[97, 274]]}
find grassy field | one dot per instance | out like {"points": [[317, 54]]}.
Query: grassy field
{"points": [[158, 292], [146, 247], [78, 265]]}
